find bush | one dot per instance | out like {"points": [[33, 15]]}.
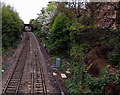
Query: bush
{"points": [[59, 35], [97, 86], [12, 26], [51, 6], [114, 41], [37, 28], [80, 34], [79, 51], [75, 83]]}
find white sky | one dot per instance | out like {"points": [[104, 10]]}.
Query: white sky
{"points": [[27, 9]]}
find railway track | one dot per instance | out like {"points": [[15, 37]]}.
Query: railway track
{"points": [[12, 59], [38, 80], [28, 60], [13, 82]]}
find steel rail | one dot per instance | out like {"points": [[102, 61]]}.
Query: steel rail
{"points": [[38, 63], [22, 70], [11, 75]]}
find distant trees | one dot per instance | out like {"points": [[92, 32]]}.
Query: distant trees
{"points": [[44, 22], [12, 26], [31, 21]]}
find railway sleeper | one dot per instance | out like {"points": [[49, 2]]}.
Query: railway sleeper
{"points": [[39, 80], [39, 91], [39, 86], [10, 89], [13, 83], [11, 86], [14, 80], [39, 83], [9, 92]]}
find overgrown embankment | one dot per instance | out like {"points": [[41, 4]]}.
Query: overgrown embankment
{"points": [[12, 27], [70, 33]]}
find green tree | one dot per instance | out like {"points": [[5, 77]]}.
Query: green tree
{"points": [[51, 6], [11, 26], [31, 21], [59, 37]]}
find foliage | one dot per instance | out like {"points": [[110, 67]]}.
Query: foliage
{"points": [[90, 84], [73, 32], [75, 83], [31, 21], [82, 82], [80, 34], [85, 20], [78, 51], [37, 26], [51, 6], [11, 26], [114, 41], [59, 36], [98, 85]]}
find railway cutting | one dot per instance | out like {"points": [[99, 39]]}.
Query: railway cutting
{"points": [[28, 73]]}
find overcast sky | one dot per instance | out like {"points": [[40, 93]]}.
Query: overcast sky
{"points": [[27, 9]]}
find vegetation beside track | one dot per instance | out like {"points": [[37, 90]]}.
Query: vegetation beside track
{"points": [[12, 26], [69, 32], [70, 36], [80, 38]]}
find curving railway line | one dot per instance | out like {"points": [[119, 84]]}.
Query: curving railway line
{"points": [[38, 79], [27, 73]]}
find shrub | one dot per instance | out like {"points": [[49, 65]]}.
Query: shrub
{"points": [[80, 34], [114, 41], [97, 85], [79, 51], [51, 6], [12, 26], [59, 35]]}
